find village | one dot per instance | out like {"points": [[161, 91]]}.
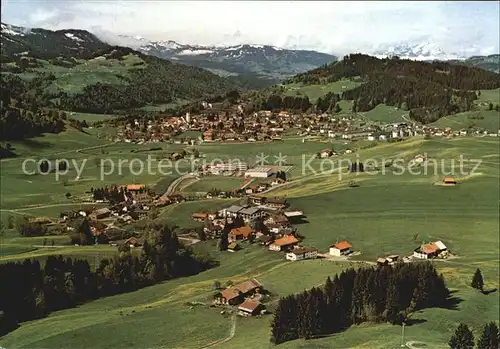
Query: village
{"points": [[215, 123]]}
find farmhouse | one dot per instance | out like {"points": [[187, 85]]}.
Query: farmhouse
{"points": [[326, 153], [236, 294], [100, 213], [257, 200], [449, 181], [298, 254], [430, 250], [259, 172], [251, 213], [132, 242], [199, 216], [135, 187], [241, 233], [276, 203], [284, 243], [231, 211], [342, 248], [265, 240], [277, 219], [251, 308], [389, 260]]}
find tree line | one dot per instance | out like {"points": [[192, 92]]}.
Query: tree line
{"points": [[114, 194], [35, 290], [357, 296]]}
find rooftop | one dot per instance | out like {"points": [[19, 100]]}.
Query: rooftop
{"points": [[245, 231], [249, 210], [286, 240], [234, 209], [260, 169], [342, 245], [249, 305]]}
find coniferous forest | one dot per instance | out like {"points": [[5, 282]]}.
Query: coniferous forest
{"points": [[35, 290], [383, 294]]}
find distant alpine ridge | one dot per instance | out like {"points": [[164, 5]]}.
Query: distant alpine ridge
{"points": [[266, 62]]}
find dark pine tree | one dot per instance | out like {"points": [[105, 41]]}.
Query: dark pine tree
{"points": [[462, 338], [489, 337], [477, 280]]}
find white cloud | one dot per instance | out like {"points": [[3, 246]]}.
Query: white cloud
{"points": [[335, 27]]}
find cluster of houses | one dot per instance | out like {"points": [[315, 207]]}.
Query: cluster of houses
{"points": [[276, 232], [246, 296], [136, 204], [436, 249]]}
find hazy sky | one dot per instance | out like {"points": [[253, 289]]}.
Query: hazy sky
{"points": [[333, 27]]}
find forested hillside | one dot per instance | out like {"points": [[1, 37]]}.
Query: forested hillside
{"points": [[427, 90], [76, 71]]}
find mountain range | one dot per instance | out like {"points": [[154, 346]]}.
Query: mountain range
{"points": [[267, 62], [275, 63], [262, 65]]}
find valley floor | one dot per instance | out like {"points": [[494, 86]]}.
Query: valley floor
{"points": [[385, 214]]}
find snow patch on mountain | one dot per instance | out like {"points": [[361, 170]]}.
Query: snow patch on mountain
{"points": [[73, 37], [194, 52], [13, 30]]}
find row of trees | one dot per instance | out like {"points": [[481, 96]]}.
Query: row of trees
{"points": [[34, 291], [114, 194], [357, 296], [463, 338]]}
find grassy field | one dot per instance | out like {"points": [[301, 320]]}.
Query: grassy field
{"points": [[91, 118], [158, 308], [316, 91], [385, 114], [208, 183], [121, 164], [480, 117], [484, 119], [74, 79]]}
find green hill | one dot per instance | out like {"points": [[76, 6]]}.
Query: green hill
{"points": [[428, 91]]}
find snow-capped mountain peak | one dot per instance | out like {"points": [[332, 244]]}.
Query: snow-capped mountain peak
{"points": [[425, 50]]}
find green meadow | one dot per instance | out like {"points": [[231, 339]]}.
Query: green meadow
{"points": [[74, 79], [319, 90]]}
